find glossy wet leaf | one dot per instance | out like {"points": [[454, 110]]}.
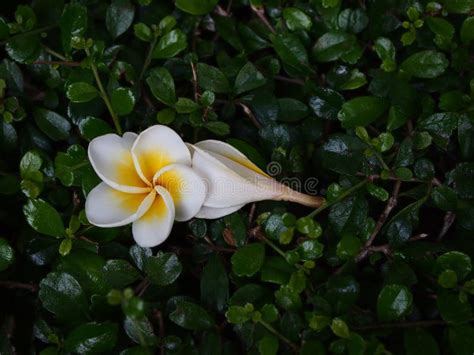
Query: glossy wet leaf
{"points": [[394, 302]]}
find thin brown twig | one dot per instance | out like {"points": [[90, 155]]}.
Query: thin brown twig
{"points": [[406, 324], [434, 181], [289, 80], [195, 82], [250, 115], [449, 219], [19, 285], [260, 12], [58, 62], [161, 329], [252, 213], [392, 202]]}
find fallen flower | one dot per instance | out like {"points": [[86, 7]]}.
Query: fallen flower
{"points": [[147, 181], [233, 181], [154, 178]]}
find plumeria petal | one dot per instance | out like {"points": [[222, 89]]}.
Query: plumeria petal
{"points": [[157, 147], [213, 213], [111, 158], [155, 225], [185, 186], [228, 151], [107, 207], [230, 183]]}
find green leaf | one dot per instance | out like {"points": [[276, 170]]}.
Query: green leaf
{"points": [[448, 279], [62, 295], [163, 269], [73, 23], [218, 127], [166, 116], [215, 284], [296, 19], [361, 111], [268, 345], [248, 260], [52, 124], [43, 218], [394, 302], [238, 314], [29, 163], [461, 339], [249, 78], [211, 78], [170, 44], [23, 48], [276, 270], [92, 127], [343, 154], [340, 328], [342, 292], [348, 216], [119, 17], [65, 247], [440, 125], [4, 30], [123, 101], [456, 261], [161, 84], [92, 338], [191, 316], [332, 46], [292, 52], [326, 103], [377, 192], [440, 26], [120, 273], [140, 331], [467, 30], [310, 250], [458, 6], [291, 110], [81, 92], [185, 105], [193, 7], [139, 255], [386, 52], [288, 299], [7, 254], [353, 20], [426, 64], [452, 309], [348, 247], [463, 178]]}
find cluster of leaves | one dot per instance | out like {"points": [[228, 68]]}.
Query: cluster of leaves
{"points": [[375, 99]]}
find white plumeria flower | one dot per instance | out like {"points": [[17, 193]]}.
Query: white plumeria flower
{"points": [[147, 181], [233, 181]]}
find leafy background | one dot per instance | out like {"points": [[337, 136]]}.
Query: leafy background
{"points": [[372, 98]]}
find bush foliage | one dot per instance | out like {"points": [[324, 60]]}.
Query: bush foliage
{"points": [[372, 100]]}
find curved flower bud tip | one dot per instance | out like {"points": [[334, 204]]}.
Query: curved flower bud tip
{"points": [[153, 179], [233, 180]]}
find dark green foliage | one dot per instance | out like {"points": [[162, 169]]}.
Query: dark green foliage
{"points": [[369, 104]]}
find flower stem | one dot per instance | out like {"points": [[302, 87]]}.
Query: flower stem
{"points": [[54, 53], [104, 95], [274, 247], [340, 198], [278, 334], [303, 199], [148, 58]]}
